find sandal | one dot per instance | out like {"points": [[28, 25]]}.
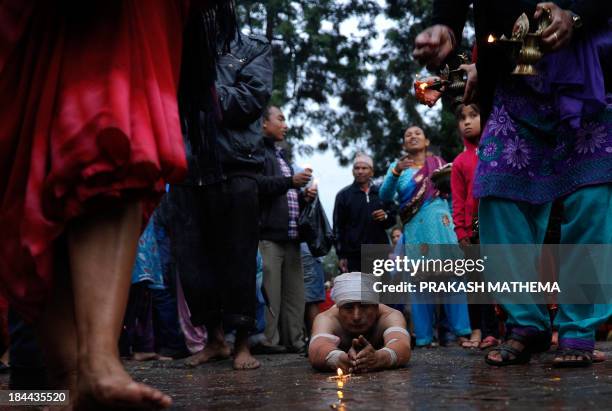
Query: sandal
{"points": [[532, 339], [506, 350], [576, 347], [585, 361]]}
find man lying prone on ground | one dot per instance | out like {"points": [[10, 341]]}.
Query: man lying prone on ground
{"points": [[358, 334]]}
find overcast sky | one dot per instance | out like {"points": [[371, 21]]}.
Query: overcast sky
{"points": [[331, 176]]}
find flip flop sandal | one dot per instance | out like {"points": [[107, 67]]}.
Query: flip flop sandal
{"points": [[533, 340], [587, 358], [506, 350]]}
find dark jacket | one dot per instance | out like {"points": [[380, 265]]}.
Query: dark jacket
{"points": [[273, 187], [223, 132], [497, 17], [353, 222], [244, 86]]}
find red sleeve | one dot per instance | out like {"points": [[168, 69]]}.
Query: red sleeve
{"points": [[459, 191]]}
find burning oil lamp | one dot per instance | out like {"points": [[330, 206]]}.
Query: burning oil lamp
{"points": [[340, 378], [524, 46], [449, 83], [429, 90]]}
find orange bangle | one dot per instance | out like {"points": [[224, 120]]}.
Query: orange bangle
{"points": [[395, 173]]}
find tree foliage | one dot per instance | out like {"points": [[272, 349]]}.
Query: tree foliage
{"points": [[329, 75]]}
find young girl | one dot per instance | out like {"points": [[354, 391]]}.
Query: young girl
{"points": [[465, 210]]}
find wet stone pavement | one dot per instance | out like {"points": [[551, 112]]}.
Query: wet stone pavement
{"points": [[436, 378]]}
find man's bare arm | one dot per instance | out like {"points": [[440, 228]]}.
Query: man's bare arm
{"points": [[396, 339], [323, 351]]}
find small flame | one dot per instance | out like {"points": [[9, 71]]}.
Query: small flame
{"points": [[423, 86], [491, 39], [340, 384], [340, 372], [340, 395]]}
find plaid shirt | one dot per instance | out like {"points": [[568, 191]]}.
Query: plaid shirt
{"points": [[292, 197]]}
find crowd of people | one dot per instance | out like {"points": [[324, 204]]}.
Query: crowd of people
{"points": [[152, 212]]}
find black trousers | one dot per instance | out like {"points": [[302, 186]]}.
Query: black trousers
{"points": [[214, 234]]}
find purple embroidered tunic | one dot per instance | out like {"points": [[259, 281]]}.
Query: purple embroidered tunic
{"points": [[550, 134]]}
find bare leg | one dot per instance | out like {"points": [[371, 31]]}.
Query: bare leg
{"points": [[56, 329], [102, 250], [215, 349], [243, 360]]}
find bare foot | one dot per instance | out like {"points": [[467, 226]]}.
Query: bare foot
{"points": [[469, 343], [212, 351], [488, 342], [599, 356], [144, 356], [5, 358], [474, 340], [243, 360], [103, 382]]}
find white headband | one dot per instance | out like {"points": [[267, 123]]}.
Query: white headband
{"points": [[354, 287]]}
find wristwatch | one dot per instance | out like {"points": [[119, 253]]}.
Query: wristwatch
{"points": [[576, 20]]}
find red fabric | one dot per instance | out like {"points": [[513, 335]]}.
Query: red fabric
{"points": [[465, 206], [88, 116], [328, 303]]}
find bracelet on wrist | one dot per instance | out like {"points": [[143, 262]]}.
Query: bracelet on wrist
{"points": [[395, 172]]}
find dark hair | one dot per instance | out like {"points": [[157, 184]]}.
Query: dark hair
{"points": [[266, 113], [460, 107]]}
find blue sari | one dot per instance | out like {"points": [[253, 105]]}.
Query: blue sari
{"points": [[432, 224]]}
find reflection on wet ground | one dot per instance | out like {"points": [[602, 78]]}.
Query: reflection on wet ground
{"points": [[436, 378]]}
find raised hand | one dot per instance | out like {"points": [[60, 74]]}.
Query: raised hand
{"points": [[404, 163], [561, 28], [301, 179], [433, 45]]}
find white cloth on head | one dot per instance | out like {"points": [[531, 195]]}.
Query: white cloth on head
{"points": [[365, 159], [354, 287]]}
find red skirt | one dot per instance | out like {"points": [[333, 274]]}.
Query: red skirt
{"points": [[88, 115]]}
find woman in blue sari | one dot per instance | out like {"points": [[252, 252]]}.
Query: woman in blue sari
{"points": [[426, 217]]}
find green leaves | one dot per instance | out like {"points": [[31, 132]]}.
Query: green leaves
{"points": [[331, 73]]}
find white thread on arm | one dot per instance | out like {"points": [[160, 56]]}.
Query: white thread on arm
{"points": [[333, 358], [396, 329], [332, 337], [392, 354]]}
